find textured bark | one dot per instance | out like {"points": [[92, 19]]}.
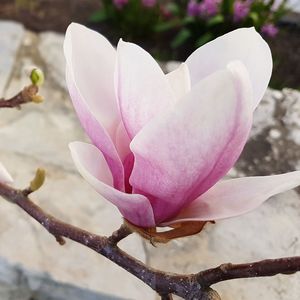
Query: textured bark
{"points": [[192, 286]]}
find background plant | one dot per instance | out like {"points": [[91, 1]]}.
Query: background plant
{"points": [[131, 19], [179, 27]]}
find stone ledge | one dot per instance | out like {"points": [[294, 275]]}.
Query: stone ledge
{"points": [[18, 283]]}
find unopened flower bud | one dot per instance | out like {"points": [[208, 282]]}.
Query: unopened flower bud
{"points": [[38, 180], [37, 77]]}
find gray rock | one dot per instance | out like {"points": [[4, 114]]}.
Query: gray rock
{"points": [[11, 35], [268, 232], [294, 5], [51, 51], [38, 136], [18, 283], [274, 144]]}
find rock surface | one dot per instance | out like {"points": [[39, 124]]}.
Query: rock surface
{"points": [[11, 37], [17, 283], [38, 135]]}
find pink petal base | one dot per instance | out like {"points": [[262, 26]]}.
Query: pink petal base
{"points": [[230, 198], [91, 164]]}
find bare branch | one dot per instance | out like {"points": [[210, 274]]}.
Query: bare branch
{"points": [[119, 234], [264, 268], [28, 94], [193, 286], [166, 297]]}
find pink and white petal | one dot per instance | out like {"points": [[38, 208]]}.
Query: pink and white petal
{"points": [[5, 177], [92, 165], [243, 44], [97, 133], [180, 81], [122, 142], [180, 154], [234, 197], [141, 87], [91, 63]]}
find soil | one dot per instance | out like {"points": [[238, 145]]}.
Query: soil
{"points": [[56, 15], [44, 15]]}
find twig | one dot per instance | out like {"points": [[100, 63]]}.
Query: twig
{"points": [[166, 297], [28, 94], [119, 234], [264, 268], [193, 286]]}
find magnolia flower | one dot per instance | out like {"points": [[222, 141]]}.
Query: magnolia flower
{"points": [[4, 175], [163, 142]]}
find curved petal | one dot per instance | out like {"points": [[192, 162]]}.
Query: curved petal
{"points": [[181, 154], [233, 197], [180, 81], [92, 95], [97, 134], [4, 175], [91, 63], [122, 142], [243, 44], [92, 166], [141, 86]]}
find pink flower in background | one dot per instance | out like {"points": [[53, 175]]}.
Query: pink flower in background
{"points": [[149, 3], [120, 3], [4, 175], [269, 30], [209, 8], [241, 10], [193, 8], [162, 142]]}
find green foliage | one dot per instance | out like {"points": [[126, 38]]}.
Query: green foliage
{"points": [[173, 27], [131, 21]]}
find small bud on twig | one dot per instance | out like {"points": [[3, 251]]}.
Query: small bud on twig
{"points": [[37, 77], [38, 180], [29, 93]]}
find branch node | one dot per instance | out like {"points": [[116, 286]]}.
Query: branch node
{"points": [[210, 294], [60, 240], [119, 234]]}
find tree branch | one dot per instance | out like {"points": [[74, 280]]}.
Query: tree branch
{"points": [[264, 268], [119, 234], [28, 94], [193, 286], [166, 297]]}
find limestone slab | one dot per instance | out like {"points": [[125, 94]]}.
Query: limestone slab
{"points": [[11, 34], [38, 136], [51, 51], [269, 232], [18, 283]]}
